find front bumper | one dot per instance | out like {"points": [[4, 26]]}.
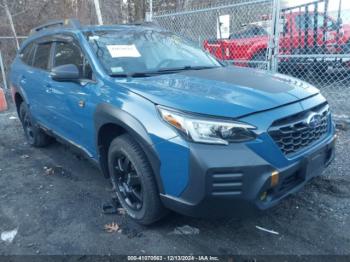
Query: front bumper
{"points": [[233, 180]]}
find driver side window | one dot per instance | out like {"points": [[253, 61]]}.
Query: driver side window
{"points": [[70, 53]]}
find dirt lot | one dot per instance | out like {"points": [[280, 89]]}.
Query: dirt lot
{"points": [[60, 212]]}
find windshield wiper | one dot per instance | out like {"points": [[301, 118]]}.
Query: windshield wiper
{"points": [[184, 68], [162, 71], [135, 74]]}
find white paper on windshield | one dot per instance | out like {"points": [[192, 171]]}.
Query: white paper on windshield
{"points": [[117, 69], [123, 51]]}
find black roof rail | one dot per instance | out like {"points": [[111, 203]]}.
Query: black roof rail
{"points": [[70, 23]]}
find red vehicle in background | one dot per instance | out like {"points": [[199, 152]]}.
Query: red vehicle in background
{"points": [[300, 33]]}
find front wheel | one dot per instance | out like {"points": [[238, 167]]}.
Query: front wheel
{"points": [[133, 181]]}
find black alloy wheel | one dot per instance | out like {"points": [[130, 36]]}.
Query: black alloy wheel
{"points": [[127, 181], [28, 128]]}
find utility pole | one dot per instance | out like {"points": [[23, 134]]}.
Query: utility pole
{"points": [[9, 16], [273, 50], [98, 12]]}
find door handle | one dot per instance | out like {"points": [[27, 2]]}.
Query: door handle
{"points": [[81, 103], [23, 80], [49, 88]]}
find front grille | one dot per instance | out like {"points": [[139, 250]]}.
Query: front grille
{"points": [[293, 133]]}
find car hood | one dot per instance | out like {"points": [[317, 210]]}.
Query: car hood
{"points": [[224, 91]]}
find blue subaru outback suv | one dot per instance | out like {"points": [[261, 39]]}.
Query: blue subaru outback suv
{"points": [[169, 125]]}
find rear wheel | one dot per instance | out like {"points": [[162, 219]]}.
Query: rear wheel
{"points": [[133, 181], [34, 135]]}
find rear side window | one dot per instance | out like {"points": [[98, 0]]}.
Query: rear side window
{"points": [[27, 54], [42, 55]]}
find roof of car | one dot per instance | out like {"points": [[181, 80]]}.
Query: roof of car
{"points": [[74, 26], [117, 27]]}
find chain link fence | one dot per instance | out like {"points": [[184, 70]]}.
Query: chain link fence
{"points": [[314, 45], [226, 31], [7, 53], [310, 41]]}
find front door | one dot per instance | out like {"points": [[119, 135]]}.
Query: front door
{"points": [[71, 101]]}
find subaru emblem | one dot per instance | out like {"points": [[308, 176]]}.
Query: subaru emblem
{"points": [[314, 120]]}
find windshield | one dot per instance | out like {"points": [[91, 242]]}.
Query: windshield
{"points": [[126, 52]]}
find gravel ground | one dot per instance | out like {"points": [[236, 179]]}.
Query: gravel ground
{"points": [[60, 212], [337, 93]]}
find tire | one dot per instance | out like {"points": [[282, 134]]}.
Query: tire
{"points": [[259, 57], [35, 135], [133, 181]]}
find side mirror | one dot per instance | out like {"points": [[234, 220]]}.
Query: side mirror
{"points": [[65, 73]]}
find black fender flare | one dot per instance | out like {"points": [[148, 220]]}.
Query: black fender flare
{"points": [[16, 91], [19, 91], [108, 114]]}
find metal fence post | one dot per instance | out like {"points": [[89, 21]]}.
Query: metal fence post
{"points": [[150, 10], [274, 39], [3, 71]]}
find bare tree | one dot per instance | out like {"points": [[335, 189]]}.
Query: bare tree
{"points": [[98, 12], [140, 10], [112, 11]]}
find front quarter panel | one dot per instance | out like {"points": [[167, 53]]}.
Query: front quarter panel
{"points": [[139, 118], [133, 112]]}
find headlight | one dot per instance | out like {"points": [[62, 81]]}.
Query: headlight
{"points": [[204, 130]]}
